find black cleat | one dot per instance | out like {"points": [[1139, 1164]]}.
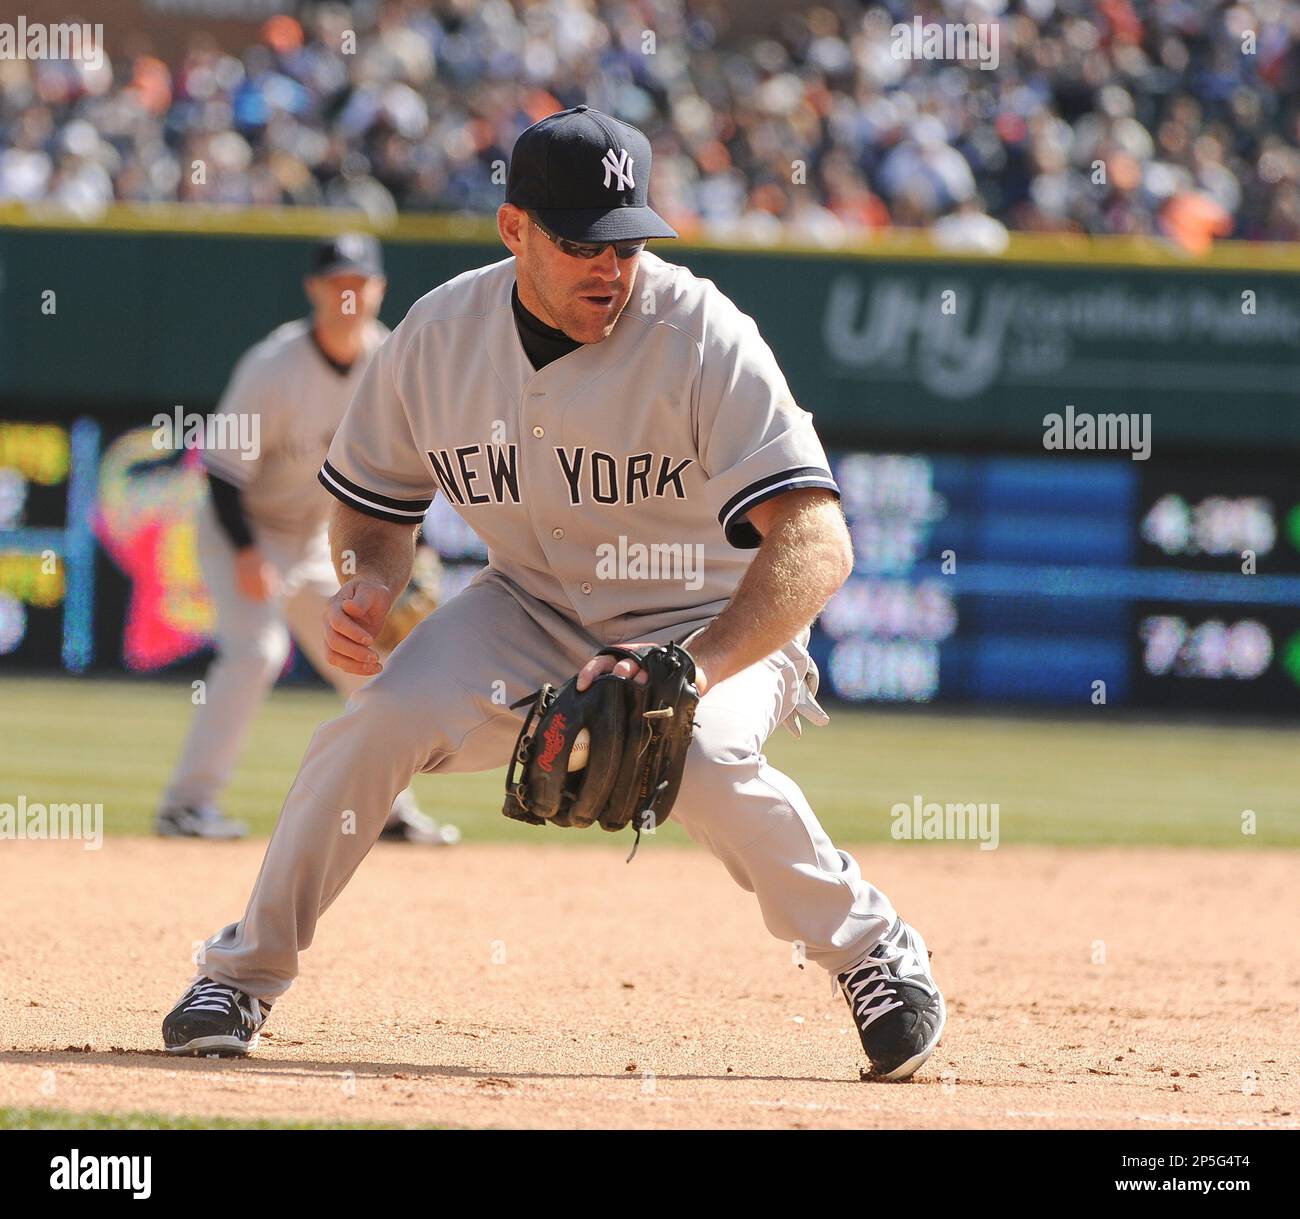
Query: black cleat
{"points": [[895, 1003], [213, 1018]]}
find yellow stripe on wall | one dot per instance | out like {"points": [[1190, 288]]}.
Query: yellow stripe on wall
{"points": [[1062, 250]]}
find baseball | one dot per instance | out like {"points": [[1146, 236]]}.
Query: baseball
{"points": [[578, 755]]}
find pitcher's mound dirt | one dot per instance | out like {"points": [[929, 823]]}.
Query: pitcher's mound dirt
{"points": [[558, 987]]}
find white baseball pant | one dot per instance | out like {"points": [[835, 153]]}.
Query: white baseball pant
{"points": [[252, 640], [441, 704]]}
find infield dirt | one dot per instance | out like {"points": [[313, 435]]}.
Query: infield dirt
{"points": [[546, 986]]}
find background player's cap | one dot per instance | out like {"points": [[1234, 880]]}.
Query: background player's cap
{"points": [[587, 177], [347, 254]]}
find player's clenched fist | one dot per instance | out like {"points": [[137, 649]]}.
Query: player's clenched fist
{"points": [[352, 621]]}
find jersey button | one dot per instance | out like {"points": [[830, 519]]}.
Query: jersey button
{"points": [[557, 534], [586, 588], [539, 432]]}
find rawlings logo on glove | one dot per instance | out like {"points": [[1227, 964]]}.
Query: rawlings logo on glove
{"points": [[638, 736], [554, 738]]}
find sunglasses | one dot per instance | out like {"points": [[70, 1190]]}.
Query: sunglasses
{"points": [[589, 249]]}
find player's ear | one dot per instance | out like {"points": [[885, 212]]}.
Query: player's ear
{"points": [[511, 221]]}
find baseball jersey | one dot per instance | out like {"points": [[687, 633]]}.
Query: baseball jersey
{"points": [[298, 398], [615, 480]]}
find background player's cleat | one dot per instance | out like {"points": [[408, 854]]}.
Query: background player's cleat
{"points": [[213, 1018], [197, 821], [406, 823], [896, 1003]]}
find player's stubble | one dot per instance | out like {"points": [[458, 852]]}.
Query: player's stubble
{"points": [[583, 298]]}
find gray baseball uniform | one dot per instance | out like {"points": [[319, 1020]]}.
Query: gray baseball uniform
{"points": [[298, 398], [611, 488]]}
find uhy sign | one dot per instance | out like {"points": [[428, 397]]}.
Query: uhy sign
{"points": [[898, 327], [957, 338]]}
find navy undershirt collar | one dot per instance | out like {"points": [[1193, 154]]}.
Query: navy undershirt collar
{"points": [[543, 344]]}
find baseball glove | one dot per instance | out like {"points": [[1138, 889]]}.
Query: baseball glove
{"points": [[637, 739], [417, 602]]}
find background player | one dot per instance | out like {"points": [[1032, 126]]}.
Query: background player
{"points": [[262, 533], [578, 391]]}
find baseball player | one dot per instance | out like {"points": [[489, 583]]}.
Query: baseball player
{"points": [[262, 532], [579, 401]]}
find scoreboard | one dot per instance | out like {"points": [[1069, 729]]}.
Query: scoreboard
{"points": [[47, 545], [991, 579], [1067, 581]]}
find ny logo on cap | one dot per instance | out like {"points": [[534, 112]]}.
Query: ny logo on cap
{"points": [[620, 167]]}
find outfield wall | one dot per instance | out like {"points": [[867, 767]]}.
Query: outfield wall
{"points": [[891, 344], [989, 570]]}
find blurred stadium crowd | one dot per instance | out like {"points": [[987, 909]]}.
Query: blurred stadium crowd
{"points": [[814, 132]]}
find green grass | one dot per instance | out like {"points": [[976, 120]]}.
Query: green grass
{"points": [[1105, 778], [55, 1119]]}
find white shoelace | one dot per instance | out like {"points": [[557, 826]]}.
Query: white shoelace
{"points": [[869, 994], [210, 996], [872, 1003]]}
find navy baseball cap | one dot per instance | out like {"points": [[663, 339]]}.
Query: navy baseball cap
{"points": [[586, 176], [347, 254]]}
